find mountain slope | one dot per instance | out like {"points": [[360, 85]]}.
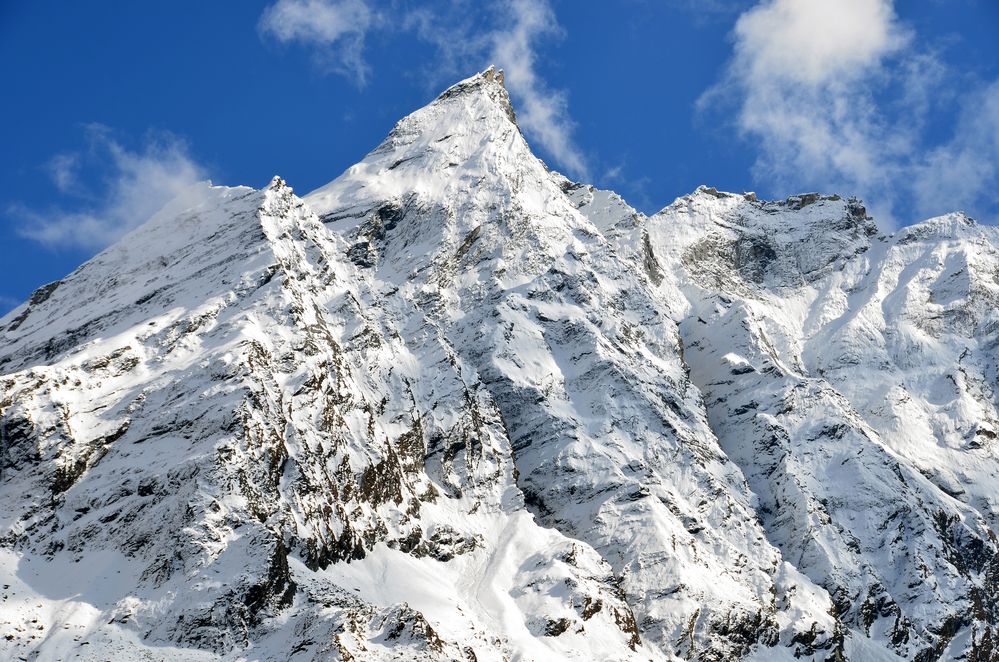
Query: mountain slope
{"points": [[454, 406], [776, 343]]}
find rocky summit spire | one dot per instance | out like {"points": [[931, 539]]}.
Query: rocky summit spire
{"points": [[490, 82], [466, 138]]}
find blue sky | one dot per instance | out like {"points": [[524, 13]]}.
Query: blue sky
{"points": [[112, 107]]}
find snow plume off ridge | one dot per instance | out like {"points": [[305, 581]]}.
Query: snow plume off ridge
{"points": [[454, 406]]}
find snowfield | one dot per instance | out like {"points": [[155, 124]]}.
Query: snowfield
{"points": [[454, 406]]}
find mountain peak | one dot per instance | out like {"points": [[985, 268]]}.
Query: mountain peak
{"points": [[467, 134], [277, 183], [491, 73], [491, 81]]}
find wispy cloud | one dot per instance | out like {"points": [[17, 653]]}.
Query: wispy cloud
{"points": [[336, 28], [7, 304], [136, 185], [507, 33], [836, 96], [799, 73], [62, 168], [964, 172], [543, 111]]}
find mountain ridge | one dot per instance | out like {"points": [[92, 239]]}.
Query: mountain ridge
{"points": [[452, 405]]}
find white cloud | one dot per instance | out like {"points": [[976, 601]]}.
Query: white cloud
{"points": [[62, 168], [542, 111], [336, 27], [964, 171], [614, 173], [836, 96], [465, 36], [800, 69], [7, 304], [139, 183], [812, 42]]}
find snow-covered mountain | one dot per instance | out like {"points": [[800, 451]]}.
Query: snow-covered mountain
{"points": [[454, 406]]}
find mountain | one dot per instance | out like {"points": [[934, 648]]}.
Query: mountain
{"points": [[454, 406]]}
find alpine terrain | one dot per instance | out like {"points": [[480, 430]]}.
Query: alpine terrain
{"points": [[455, 406]]}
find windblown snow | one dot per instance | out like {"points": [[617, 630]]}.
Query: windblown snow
{"points": [[454, 406]]}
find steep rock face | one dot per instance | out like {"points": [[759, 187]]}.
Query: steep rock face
{"points": [[454, 406], [583, 365]]}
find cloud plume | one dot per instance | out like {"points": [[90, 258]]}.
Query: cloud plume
{"points": [[543, 112], [136, 185], [336, 28]]}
